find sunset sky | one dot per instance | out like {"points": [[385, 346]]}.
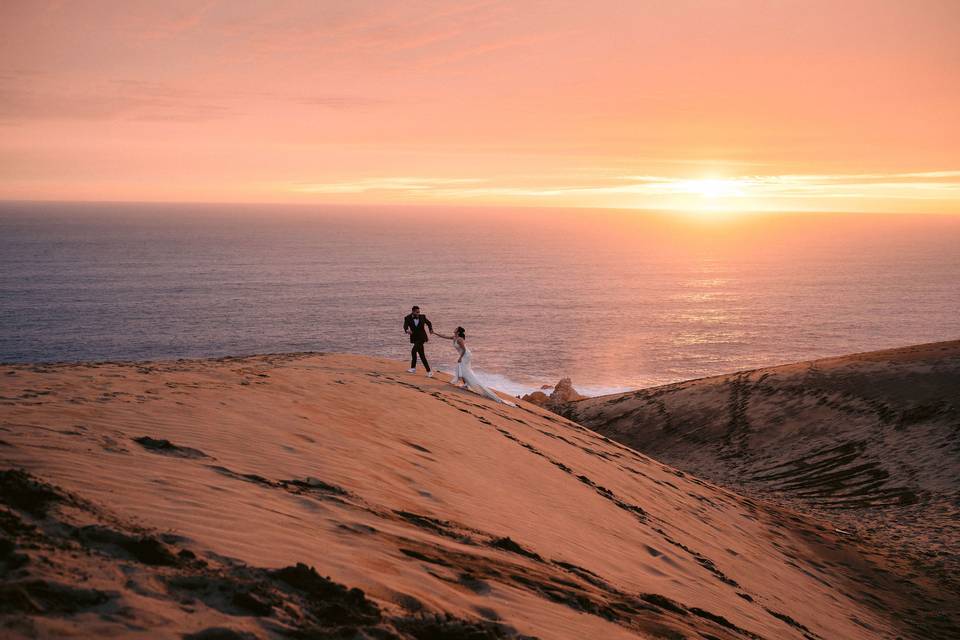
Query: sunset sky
{"points": [[837, 105]]}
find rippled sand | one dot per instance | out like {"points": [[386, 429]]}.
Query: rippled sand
{"points": [[869, 442], [251, 494]]}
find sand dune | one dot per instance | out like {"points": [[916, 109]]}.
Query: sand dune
{"points": [[321, 496], [870, 442]]}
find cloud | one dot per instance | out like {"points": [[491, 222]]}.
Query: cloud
{"points": [[366, 185], [933, 185], [399, 37], [165, 21], [114, 100], [342, 102]]}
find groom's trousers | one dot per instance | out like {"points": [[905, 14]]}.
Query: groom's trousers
{"points": [[418, 351]]}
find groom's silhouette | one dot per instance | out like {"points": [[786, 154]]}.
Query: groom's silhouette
{"points": [[416, 327]]}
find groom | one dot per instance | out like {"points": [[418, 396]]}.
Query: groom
{"points": [[416, 326]]}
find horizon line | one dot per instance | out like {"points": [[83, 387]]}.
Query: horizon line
{"points": [[437, 205]]}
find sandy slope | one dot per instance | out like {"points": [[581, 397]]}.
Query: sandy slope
{"points": [[868, 441], [164, 499]]}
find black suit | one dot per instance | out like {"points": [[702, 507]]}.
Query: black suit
{"points": [[418, 336]]}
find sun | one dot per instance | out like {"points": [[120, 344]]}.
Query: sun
{"points": [[713, 197], [711, 188]]}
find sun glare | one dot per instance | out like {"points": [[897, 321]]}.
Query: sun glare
{"points": [[712, 188], [708, 196]]}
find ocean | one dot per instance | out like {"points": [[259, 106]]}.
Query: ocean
{"points": [[612, 299]]}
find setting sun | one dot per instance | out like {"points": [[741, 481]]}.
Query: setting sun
{"points": [[713, 189]]}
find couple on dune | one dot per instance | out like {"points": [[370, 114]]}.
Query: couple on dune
{"points": [[417, 326]]}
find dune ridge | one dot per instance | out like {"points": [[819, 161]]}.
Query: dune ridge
{"points": [[868, 441], [323, 495]]}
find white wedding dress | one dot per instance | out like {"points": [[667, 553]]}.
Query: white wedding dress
{"points": [[465, 373]]}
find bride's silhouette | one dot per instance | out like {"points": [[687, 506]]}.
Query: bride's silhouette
{"points": [[464, 372]]}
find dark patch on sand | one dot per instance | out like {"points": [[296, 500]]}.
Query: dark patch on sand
{"points": [[416, 555], [333, 601], [440, 527], [447, 627], [790, 621], [22, 491], [144, 549], [508, 544], [584, 574], [663, 602], [417, 447], [45, 597], [311, 486], [220, 633], [723, 622], [167, 448]]}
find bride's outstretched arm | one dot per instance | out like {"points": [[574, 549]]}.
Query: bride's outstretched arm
{"points": [[437, 333]]}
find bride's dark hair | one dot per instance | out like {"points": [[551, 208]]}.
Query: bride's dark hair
{"points": [[460, 333]]}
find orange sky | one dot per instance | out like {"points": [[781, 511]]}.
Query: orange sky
{"points": [[724, 104]]}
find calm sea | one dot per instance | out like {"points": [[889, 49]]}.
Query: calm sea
{"points": [[612, 299]]}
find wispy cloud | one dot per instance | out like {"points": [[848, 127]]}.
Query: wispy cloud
{"points": [[666, 190], [359, 29], [368, 185], [116, 99], [340, 102]]}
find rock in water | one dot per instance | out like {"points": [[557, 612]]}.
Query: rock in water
{"points": [[538, 398], [564, 392]]}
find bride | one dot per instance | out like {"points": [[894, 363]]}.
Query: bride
{"points": [[464, 373]]}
